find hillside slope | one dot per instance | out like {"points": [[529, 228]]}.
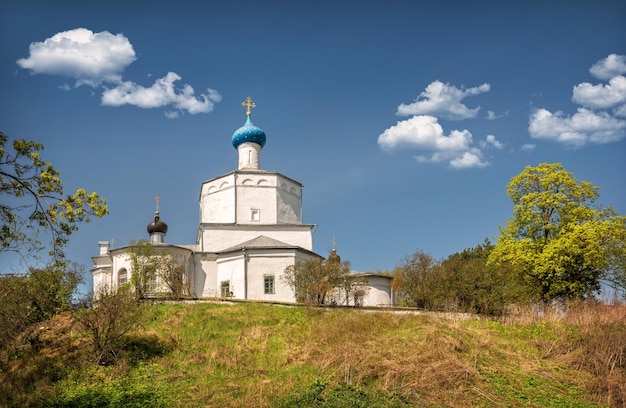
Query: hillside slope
{"points": [[240, 355]]}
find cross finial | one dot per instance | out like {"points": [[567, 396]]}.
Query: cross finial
{"points": [[248, 104], [157, 199], [334, 241]]}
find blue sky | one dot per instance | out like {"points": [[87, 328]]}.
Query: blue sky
{"points": [[404, 120]]}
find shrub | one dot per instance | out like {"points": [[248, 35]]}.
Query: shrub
{"points": [[109, 320]]}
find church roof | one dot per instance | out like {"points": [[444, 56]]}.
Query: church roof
{"points": [[261, 241], [265, 242]]}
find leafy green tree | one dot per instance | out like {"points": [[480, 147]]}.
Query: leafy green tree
{"points": [[461, 282], [32, 200], [50, 289], [467, 282], [562, 243]]}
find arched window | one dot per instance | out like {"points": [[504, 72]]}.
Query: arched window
{"points": [[122, 276]]}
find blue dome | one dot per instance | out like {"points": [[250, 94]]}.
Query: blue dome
{"points": [[248, 133]]}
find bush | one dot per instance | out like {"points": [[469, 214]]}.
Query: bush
{"points": [[34, 297], [112, 316]]}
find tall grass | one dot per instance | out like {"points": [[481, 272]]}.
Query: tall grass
{"points": [[587, 336]]}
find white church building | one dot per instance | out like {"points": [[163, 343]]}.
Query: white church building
{"points": [[250, 230]]}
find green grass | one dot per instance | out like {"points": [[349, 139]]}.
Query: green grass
{"points": [[240, 355]]}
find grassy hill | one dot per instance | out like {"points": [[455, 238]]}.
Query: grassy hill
{"points": [[255, 355]]}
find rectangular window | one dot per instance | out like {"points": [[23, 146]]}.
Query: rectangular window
{"points": [[225, 289], [255, 215], [268, 284]]}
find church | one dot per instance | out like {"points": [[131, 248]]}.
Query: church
{"points": [[250, 230]]}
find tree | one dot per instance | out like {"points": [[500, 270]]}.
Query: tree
{"points": [[319, 281], [462, 282], [155, 272], [347, 286], [414, 280], [473, 286], [562, 243], [50, 289], [33, 200]]}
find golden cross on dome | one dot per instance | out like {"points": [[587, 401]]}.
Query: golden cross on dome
{"points": [[248, 104], [157, 199]]}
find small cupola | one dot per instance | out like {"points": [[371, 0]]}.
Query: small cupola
{"points": [[157, 229]]}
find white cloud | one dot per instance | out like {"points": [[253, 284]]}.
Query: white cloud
{"points": [[98, 60], [491, 141], [527, 147], [456, 160], [426, 134], [609, 67], [585, 126], [90, 58], [423, 132], [469, 159], [601, 96], [161, 93], [443, 100], [592, 123], [493, 116]]}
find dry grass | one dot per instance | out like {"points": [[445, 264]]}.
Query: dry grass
{"points": [[256, 355], [588, 336], [415, 356]]}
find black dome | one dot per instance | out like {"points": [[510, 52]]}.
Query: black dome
{"points": [[157, 225]]}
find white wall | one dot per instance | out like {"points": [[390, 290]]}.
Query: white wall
{"points": [[231, 268], [263, 262], [379, 293], [216, 238], [217, 200]]}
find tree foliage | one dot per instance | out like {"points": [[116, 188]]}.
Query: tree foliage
{"points": [[473, 286], [33, 200], [563, 244], [321, 282], [461, 282], [35, 296], [414, 280], [154, 272]]}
